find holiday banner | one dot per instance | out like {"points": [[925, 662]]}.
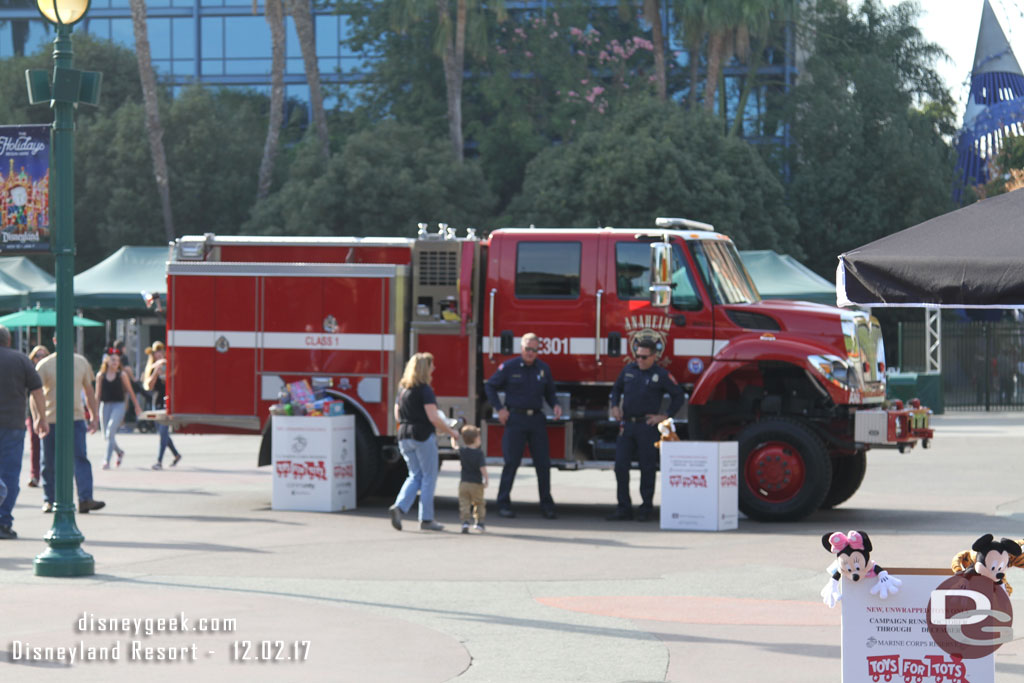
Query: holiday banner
{"points": [[24, 188]]}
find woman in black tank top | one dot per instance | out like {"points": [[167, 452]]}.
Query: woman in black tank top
{"points": [[112, 385]]}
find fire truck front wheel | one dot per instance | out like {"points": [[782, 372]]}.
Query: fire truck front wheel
{"points": [[785, 470], [847, 476]]}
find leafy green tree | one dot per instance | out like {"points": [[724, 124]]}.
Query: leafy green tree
{"points": [[457, 26], [870, 123], [387, 178], [654, 159], [547, 76], [1007, 168]]}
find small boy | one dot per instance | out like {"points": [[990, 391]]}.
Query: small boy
{"points": [[474, 479]]}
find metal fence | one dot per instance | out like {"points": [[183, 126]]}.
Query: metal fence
{"points": [[982, 363]]}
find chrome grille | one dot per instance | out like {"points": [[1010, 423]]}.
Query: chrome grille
{"points": [[438, 268]]}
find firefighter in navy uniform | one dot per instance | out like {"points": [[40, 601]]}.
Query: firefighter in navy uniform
{"points": [[527, 383], [641, 386]]}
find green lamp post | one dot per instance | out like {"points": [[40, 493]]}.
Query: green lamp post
{"points": [[65, 556]]}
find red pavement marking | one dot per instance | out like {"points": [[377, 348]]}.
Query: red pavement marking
{"points": [[701, 610]]}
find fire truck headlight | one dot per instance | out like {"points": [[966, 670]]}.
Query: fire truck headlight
{"points": [[832, 368]]}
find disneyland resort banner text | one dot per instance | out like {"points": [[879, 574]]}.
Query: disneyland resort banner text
{"points": [[24, 188]]}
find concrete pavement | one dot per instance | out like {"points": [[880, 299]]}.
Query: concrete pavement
{"points": [[343, 597]]}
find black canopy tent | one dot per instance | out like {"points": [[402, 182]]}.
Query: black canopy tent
{"points": [[969, 258]]}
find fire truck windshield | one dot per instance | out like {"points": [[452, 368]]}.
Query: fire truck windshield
{"points": [[723, 272]]}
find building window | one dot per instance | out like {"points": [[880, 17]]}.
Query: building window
{"points": [[548, 270]]}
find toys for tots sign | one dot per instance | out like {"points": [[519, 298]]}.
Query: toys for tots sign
{"points": [[937, 629]]}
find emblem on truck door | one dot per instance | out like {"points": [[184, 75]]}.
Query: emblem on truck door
{"points": [[222, 344], [653, 327], [330, 324]]}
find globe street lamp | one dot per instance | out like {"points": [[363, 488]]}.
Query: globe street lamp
{"points": [[65, 556]]}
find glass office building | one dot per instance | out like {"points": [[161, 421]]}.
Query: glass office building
{"points": [[222, 42], [219, 42]]}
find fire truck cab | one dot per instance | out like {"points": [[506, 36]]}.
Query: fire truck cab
{"points": [[800, 386]]}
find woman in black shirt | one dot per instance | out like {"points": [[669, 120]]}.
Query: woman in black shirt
{"points": [[417, 416]]}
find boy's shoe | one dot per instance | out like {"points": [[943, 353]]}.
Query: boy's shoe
{"points": [[479, 527], [120, 457], [106, 465], [7, 533], [157, 466], [177, 457], [431, 525], [465, 527], [47, 507], [34, 482], [396, 517]]}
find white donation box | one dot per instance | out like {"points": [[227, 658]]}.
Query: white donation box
{"points": [[699, 485], [314, 462]]}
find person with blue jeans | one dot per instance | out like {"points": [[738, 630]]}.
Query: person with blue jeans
{"points": [[113, 386], [18, 381], [81, 384], [417, 415], [154, 379]]}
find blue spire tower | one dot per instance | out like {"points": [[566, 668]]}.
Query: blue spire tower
{"points": [[995, 106]]}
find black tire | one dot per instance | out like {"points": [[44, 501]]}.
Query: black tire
{"points": [[847, 476], [370, 466], [784, 469]]}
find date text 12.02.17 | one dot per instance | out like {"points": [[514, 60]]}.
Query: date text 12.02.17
{"points": [[269, 650]]}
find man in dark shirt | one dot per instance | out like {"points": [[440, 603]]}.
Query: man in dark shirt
{"points": [[641, 386], [527, 383], [18, 380]]}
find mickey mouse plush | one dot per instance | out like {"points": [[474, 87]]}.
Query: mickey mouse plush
{"points": [[990, 559], [853, 562]]}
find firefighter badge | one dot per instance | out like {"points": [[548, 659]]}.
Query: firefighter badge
{"points": [[648, 326]]}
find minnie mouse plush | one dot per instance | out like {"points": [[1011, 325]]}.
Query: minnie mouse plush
{"points": [[853, 562]]}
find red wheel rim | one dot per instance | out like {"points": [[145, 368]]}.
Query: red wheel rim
{"points": [[775, 471]]}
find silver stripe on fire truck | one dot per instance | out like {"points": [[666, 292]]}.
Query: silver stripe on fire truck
{"points": [[578, 346], [242, 269], [208, 338], [283, 340], [697, 347]]}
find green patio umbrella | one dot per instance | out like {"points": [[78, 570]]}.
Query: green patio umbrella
{"points": [[41, 317]]}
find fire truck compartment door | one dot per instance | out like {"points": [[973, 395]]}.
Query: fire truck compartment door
{"points": [[212, 340]]}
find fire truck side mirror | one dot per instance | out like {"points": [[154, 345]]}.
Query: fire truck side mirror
{"points": [[661, 274]]}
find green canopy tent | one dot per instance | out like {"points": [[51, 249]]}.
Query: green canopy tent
{"points": [[18, 277], [117, 281], [779, 276], [12, 294]]}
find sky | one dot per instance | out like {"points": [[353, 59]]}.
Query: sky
{"points": [[953, 25]]}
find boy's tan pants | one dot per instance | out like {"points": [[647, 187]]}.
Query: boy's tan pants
{"points": [[471, 496]]}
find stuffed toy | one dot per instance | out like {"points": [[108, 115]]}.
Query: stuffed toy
{"points": [[853, 563], [667, 429], [990, 558]]}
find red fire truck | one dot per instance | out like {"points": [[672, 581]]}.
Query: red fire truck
{"points": [[800, 386]]}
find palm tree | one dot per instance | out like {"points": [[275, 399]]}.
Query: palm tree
{"points": [[154, 129], [729, 24], [691, 14], [303, 16], [450, 44], [652, 16], [273, 11]]}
